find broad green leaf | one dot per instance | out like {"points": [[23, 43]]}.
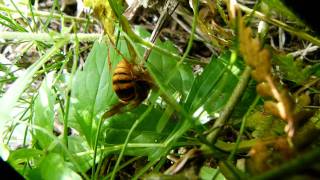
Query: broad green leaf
{"points": [[165, 67], [208, 173], [294, 70], [77, 145], [246, 100], [205, 84], [92, 91], [44, 111], [53, 167], [263, 125], [117, 128], [279, 7], [221, 92], [229, 171], [19, 157]]}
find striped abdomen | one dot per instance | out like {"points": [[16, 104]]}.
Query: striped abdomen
{"points": [[123, 81]]}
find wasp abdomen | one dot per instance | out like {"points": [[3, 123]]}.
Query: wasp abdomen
{"points": [[123, 82]]}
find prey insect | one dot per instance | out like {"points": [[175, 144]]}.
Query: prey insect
{"points": [[131, 82]]}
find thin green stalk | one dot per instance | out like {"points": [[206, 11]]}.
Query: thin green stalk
{"points": [[95, 147], [144, 169], [20, 118], [13, 25], [117, 147], [43, 14], [221, 11], [20, 13], [29, 121], [136, 123], [65, 121], [7, 101], [46, 37], [48, 19], [64, 148], [238, 91], [193, 30], [304, 161], [243, 124], [186, 124], [152, 46], [35, 28], [282, 25], [99, 166], [124, 165], [73, 71]]}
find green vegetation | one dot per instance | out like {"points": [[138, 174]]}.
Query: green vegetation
{"points": [[235, 92]]}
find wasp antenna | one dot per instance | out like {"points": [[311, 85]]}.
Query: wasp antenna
{"points": [[115, 48], [167, 11], [109, 61]]}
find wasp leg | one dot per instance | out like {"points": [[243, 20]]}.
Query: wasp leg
{"points": [[117, 108], [109, 61]]}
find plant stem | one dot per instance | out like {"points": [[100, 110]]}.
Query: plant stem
{"points": [[46, 37], [136, 123], [43, 14], [300, 163], [282, 25], [238, 91], [243, 124]]}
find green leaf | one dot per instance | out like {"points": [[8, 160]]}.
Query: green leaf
{"points": [[210, 84], [246, 100], [165, 67], [19, 157], [265, 125], [294, 70], [77, 145], [221, 93], [279, 7], [44, 111], [229, 171], [8, 22], [117, 128], [92, 91], [53, 167], [208, 173], [162, 66]]}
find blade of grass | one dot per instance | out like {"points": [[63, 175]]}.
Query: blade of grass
{"points": [[12, 24], [35, 28], [20, 13], [46, 24], [243, 124], [298, 164], [49, 38], [282, 25], [136, 123], [44, 14], [9, 99], [58, 141], [238, 91]]}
